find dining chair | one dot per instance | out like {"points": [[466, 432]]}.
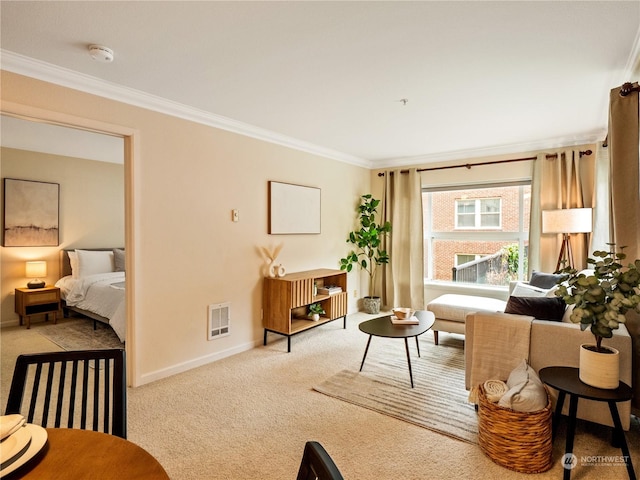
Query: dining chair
{"points": [[85, 388], [317, 464]]}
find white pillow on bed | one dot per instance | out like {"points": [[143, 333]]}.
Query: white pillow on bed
{"points": [[92, 262]]}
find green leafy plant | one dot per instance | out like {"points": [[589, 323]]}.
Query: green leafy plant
{"points": [[601, 300], [316, 308], [511, 256], [368, 252]]}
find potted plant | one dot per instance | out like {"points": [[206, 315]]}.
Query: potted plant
{"points": [[601, 301], [368, 251], [315, 310]]}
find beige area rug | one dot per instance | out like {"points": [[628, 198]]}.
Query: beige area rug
{"points": [[79, 335], [438, 400]]}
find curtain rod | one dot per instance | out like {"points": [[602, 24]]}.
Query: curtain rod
{"points": [[469, 165]]}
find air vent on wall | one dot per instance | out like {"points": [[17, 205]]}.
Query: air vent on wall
{"points": [[219, 320]]}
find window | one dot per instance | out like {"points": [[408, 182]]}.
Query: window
{"points": [[484, 229], [478, 213], [465, 258]]}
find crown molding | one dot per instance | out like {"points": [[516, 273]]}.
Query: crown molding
{"points": [[510, 149], [64, 77], [30, 67]]}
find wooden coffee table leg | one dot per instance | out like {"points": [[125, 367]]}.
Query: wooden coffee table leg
{"points": [[406, 347], [365, 352]]}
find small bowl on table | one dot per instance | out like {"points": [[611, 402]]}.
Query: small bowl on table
{"points": [[402, 313]]}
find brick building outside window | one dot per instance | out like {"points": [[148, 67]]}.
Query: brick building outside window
{"points": [[481, 228]]}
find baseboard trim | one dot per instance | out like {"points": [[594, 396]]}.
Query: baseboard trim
{"points": [[10, 323], [196, 362]]}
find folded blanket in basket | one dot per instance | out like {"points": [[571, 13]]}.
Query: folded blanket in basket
{"points": [[495, 389], [500, 342]]}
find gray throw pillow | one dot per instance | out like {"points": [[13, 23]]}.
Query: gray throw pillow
{"points": [[545, 280], [118, 260]]}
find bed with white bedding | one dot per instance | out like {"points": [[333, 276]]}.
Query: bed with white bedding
{"points": [[92, 284]]}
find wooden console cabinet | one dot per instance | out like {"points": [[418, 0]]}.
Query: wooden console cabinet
{"points": [[285, 301]]}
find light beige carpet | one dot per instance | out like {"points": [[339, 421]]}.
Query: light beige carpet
{"points": [[248, 416], [438, 400]]}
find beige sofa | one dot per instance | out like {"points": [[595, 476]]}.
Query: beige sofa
{"points": [[450, 311], [557, 343]]}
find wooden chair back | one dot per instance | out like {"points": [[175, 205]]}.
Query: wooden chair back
{"points": [[75, 389]]}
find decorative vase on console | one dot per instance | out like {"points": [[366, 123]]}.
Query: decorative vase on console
{"points": [[315, 310], [273, 269]]}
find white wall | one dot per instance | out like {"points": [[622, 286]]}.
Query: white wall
{"points": [[185, 179]]}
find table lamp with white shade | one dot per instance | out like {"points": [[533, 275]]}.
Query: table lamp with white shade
{"points": [[36, 270], [567, 221]]}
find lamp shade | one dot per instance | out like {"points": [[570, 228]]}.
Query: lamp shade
{"points": [[36, 269], [568, 220]]}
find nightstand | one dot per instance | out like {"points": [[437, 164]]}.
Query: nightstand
{"points": [[37, 301]]}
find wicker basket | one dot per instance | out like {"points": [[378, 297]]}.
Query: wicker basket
{"points": [[519, 441]]}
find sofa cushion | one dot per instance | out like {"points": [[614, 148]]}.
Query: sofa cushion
{"points": [[526, 392], [526, 290], [455, 307], [541, 308]]}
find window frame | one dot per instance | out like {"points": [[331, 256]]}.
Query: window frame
{"points": [[483, 234]]}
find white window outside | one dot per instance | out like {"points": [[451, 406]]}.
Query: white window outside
{"points": [[479, 213], [464, 258]]}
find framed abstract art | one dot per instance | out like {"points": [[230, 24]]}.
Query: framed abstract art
{"points": [[31, 213]]}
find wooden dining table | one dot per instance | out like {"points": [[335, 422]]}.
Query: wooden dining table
{"points": [[85, 454]]}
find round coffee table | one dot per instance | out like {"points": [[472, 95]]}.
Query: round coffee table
{"points": [[382, 327]]}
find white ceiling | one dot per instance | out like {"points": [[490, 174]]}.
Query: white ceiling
{"points": [[480, 77]]}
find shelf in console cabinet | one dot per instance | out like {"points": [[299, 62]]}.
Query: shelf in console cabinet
{"points": [[299, 325]]}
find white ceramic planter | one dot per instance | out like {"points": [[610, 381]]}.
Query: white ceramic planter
{"points": [[371, 304], [315, 317], [601, 370]]}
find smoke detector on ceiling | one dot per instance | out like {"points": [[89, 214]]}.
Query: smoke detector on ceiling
{"points": [[101, 53]]}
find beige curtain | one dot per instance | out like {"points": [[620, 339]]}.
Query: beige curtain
{"points": [[625, 190], [624, 143], [564, 181], [403, 278], [602, 232]]}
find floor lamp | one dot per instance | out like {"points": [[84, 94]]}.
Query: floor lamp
{"points": [[566, 221]]}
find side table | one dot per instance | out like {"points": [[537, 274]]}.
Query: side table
{"points": [[37, 301], [566, 380]]}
